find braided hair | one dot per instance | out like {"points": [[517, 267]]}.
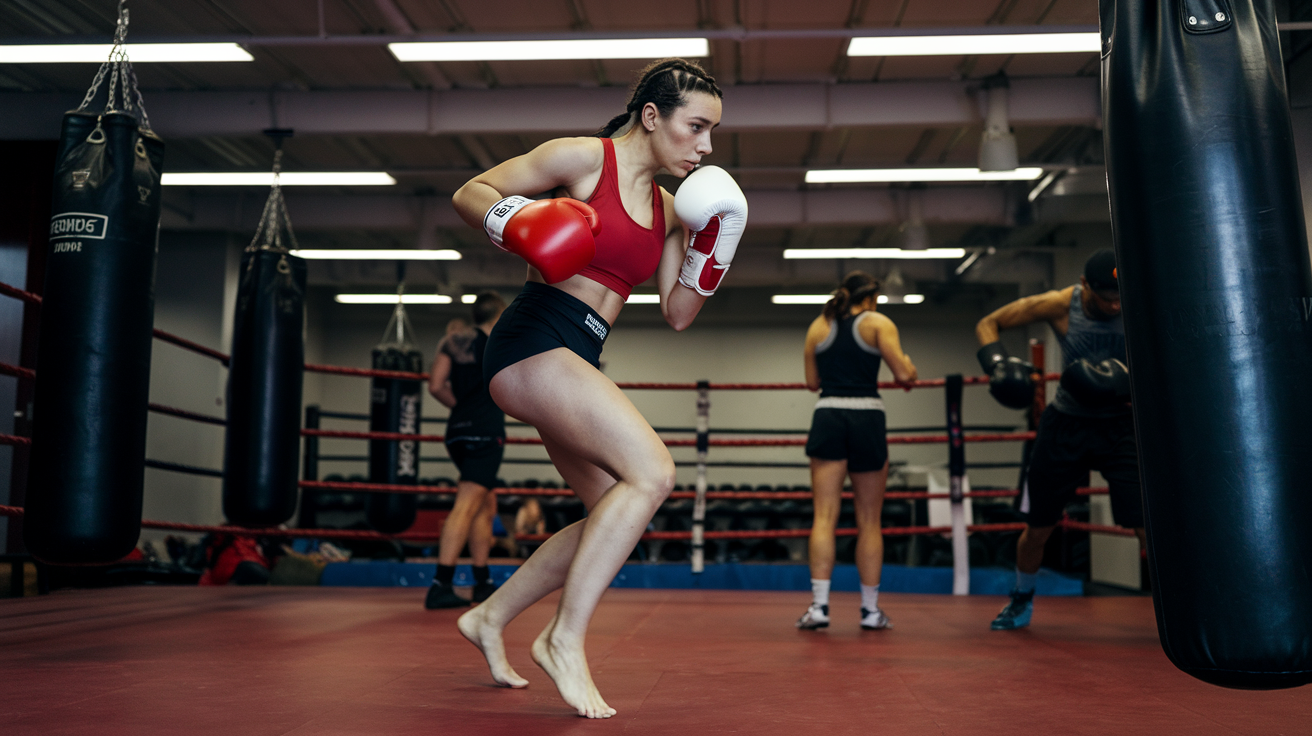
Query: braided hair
{"points": [[856, 288], [665, 84]]}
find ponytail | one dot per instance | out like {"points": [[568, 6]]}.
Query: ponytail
{"points": [[666, 84], [856, 288]]}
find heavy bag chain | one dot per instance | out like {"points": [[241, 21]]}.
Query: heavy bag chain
{"points": [[274, 219], [122, 79]]}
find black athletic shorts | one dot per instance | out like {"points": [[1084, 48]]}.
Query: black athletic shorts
{"points": [[857, 435], [544, 318], [1066, 449], [477, 458]]}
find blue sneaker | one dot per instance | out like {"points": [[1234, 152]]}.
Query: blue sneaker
{"points": [[1017, 613]]}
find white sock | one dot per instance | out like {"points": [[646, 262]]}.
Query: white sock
{"points": [[1025, 581], [819, 592], [870, 597]]}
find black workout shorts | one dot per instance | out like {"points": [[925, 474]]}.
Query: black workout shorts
{"points": [[477, 458], [544, 318], [1066, 449], [858, 436]]}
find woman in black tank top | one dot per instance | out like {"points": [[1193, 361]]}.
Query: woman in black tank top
{"points": [[844, 348]]}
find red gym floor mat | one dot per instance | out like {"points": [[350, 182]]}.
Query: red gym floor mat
{"points": [[152, 660]]}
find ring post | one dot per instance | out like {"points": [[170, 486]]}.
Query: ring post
{"points": [[307, 518], [699, 505], [956, 482]]}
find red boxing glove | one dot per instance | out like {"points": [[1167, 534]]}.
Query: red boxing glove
{"points": [[555, 236]]}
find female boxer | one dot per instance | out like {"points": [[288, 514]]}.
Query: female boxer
{"points": [[841, 356], [542, 358]]}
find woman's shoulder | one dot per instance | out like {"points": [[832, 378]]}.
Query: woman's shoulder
{"points": [[819, 327], [581, 154]]}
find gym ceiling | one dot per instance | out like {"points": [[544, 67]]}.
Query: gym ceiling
{"points": [[793, 102]]}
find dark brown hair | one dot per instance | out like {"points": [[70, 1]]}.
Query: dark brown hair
{"points": [[665, 84], [487, 305], [856, 288]]}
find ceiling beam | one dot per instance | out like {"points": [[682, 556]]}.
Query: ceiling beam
{"points": [[565, 110], [240, 211]]}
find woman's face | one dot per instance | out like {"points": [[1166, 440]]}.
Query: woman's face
{"points": [[682, 139]]}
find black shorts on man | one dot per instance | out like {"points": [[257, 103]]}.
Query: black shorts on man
{"points": [[1066, 449]]}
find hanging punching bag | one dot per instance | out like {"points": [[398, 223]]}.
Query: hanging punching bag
{"points": [[264, 390], [93, 370], [1217, 293], [394, 407]]}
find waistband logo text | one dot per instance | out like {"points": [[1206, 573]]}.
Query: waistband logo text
{"points": [[596, 326]]}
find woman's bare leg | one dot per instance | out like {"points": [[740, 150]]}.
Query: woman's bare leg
{"points": [[868, 489], [480, 531], [827, 490], [540, 574], [459, 524], [586, 415]]}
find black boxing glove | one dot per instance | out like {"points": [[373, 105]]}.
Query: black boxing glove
{"points": [[1097, 385], [990, 355], [1011, 380]]}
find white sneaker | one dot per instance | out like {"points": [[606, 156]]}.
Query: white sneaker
{"points": [[816, 617], [872, 620]]}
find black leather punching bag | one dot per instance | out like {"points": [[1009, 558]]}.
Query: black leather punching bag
{"points": [[93, 364], [394, 407], [1217, 294], [264, 390]]}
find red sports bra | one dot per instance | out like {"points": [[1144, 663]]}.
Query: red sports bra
{"points": [[627, 253]]}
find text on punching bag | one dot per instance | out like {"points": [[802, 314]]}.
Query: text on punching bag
{"points": [[406, 454]]}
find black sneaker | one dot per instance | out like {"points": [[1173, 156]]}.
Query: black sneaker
{"points": [[483, 591], [443, 596]]}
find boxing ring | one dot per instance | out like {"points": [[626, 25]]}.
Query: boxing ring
{"points": [[151, 659]]}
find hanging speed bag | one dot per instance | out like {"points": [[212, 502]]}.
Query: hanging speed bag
{"points": [[93, 362], [264, 390], [394, 407], [1217, 293]]}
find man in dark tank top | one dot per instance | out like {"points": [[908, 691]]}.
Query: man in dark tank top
{"points": [[1088, 426], [475, 439]]}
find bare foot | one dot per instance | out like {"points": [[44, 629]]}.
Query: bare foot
{"points": [[473, 625], [568, 668]]}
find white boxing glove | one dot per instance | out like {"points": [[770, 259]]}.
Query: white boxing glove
{"points": [[712, 206]]}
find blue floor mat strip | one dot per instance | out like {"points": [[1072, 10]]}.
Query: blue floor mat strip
{"points": [[732, 576]]}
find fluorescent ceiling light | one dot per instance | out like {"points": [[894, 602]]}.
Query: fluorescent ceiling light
{"points": [[643, 299], [468, 298], [286, 179], [897, 253], [801, 298], [984, 43], [392, 299], [379, 254], [603, 48], [824, 299], [853, 176], [138, 53]]}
